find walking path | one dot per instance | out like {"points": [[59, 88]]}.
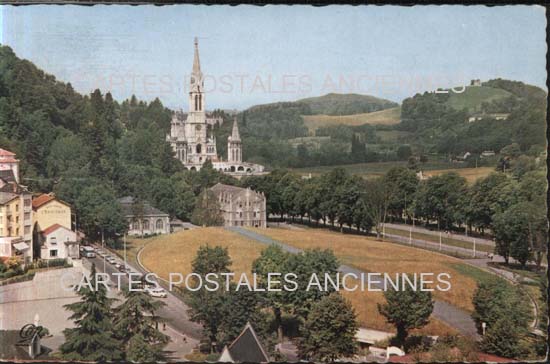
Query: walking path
{"points": [[423, 230], [451, 315], [430, 245]]}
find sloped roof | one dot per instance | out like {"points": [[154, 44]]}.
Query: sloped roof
{"points": [[247, 347], [53, 228], [7, 197], [41, 200], [9, 340], [44, 199], [6, 153], [7, 175], [128, 202], [220, 187]]}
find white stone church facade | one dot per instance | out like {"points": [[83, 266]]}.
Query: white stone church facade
{"points": [[193, 141]]}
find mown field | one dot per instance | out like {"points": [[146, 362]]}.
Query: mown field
{"points": [[175, 252], [377, 169], [383, 117], [471, 174], [473, 96]]}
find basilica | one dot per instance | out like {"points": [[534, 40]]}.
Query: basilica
{"points": [[193, 140]]}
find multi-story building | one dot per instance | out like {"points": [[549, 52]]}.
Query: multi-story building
{"points": [[53, 234], [49, 210], [241, 206], [15, 211]]}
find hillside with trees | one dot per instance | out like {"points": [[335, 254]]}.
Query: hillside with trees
{"points": [[91, 150]]}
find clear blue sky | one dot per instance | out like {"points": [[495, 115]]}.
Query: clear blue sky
{"points": [[256, 55]]}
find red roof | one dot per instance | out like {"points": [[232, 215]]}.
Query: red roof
{"points": [[8, 159], [52, 228], [6, 153], [44, 199]]}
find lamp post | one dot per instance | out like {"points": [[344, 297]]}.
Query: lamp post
{"points": [[103, 247], [125, 266]]}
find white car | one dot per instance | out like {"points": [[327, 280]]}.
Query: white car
{"points": [[110, 259], [156, 292]]}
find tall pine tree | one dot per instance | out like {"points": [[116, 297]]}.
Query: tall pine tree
{"points": [[92, 339], [135, 325]]}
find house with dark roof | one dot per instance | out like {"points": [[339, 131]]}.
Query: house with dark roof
{"points": [[246, 348], [13, 347], [144, 219]]}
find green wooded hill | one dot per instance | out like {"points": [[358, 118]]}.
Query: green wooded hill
{"points": [[345, 104]]}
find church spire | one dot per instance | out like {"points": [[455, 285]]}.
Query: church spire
{"points": [[196, 60], [196, 96], [235, 136]]}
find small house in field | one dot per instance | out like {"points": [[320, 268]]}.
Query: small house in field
{"points": [[144, 219]]}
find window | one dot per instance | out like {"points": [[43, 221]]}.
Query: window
{"points": [[27, 202], [53, 253], [53, 240], [135, 224], [240, 214], [27, 230], [145, 224], [160, 224], [27, 215], [199, 148]]}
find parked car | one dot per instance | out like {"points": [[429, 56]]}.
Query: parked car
{"points": [[156, 292], [88, 252]]}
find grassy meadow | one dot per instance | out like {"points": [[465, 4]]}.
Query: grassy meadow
{"points": [[383, 117], [378, 169], [370, 255], [175, 252]]}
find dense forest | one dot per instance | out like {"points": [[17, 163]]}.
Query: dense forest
{"points": [[91, 149]]}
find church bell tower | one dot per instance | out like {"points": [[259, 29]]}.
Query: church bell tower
{"points": [[196, 91], [234, 145]]}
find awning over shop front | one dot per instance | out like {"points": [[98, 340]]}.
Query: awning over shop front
{"points": [[21, 246]]}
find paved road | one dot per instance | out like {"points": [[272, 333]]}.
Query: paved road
{"points": [[175, 311], [451, 315]]}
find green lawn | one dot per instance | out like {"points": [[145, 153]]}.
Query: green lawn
{"points": [[473, 96], [479, 275]]}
